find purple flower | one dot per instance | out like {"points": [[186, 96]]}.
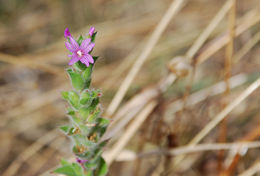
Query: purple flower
{"points": [[91, 31], [67, 33], [80, 53], [80, 161]]}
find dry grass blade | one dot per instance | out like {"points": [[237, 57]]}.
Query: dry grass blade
{"points": [[201, 95], [130, 131], [249, 19], [229, 52], [35, 147], [224, 112], [173, 9], [127, 155], [30, 63], [32, 104], [252, 170], [247, 47], [220, 116], [208, 30]]}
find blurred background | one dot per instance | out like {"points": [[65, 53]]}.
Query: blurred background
{"points": [[33, 59]]}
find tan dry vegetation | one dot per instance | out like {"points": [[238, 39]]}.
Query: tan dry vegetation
{"points": [[180, 83]]}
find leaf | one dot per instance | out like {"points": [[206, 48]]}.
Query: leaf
{"points": [[93, 37], [70, 169], [87, 73], [79, 66], [85, 97], [66, 170], [64, 162], [95, 58], [103, 122], [84, 112], [65, 95], [78, 169], [65, 128], [103, 169], [76, 79], [94, 103], [80, 39], [73, 99]]}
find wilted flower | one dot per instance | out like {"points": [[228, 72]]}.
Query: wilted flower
{"points": [[91, 31], [80, 53]]}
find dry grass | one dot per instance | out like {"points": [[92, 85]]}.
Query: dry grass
{"points": [[166, 78]]}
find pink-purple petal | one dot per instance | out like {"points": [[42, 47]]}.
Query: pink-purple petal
{"points": [[90, 58], [84, 61], [89, 47], [69, 47], [67, 33], [73, 42], [85, 43], [91, 31], [73, 60]]}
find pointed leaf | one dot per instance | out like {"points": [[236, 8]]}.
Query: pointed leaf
{"points": [[64, 162], [73, 99], [66, 170], [65, 128], [93, 37], [80, 39], [76, 79], [65, 95], [103, 169]]}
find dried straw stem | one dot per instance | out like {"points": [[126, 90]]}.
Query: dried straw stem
{"points": [[130, 131], [160, 28], [220, 116], [30, 151]]}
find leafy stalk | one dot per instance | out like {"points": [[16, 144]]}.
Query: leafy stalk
{"points": [[86, 124]]}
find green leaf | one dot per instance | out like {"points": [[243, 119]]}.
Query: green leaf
{"points": [[103, 169], [80, 39], [70, 170], [87, 72], [94, 103], [89, 173], [84, 112], [79, 66], [93, 37], [85, 97], [91, 165], [103, 121], [65, 128], [93, 117], [64, 162], [76, 120], [76, 79], [73, 99], [95, 58], [78, 169], [65, 95]]}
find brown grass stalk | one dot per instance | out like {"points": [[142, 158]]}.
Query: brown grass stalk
{"points": [[170, 13], [227, 73]]}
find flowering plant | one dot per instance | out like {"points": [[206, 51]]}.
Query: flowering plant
{"points": [[86, 124]]}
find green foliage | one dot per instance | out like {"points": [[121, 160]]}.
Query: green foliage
{"points": [[76, 79], [87, 126], [80, 39], [93, 37], [70, 169], [103, 169]]}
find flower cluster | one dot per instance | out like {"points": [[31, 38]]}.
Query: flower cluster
{"points": [[86, 124], [80, 52]]}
